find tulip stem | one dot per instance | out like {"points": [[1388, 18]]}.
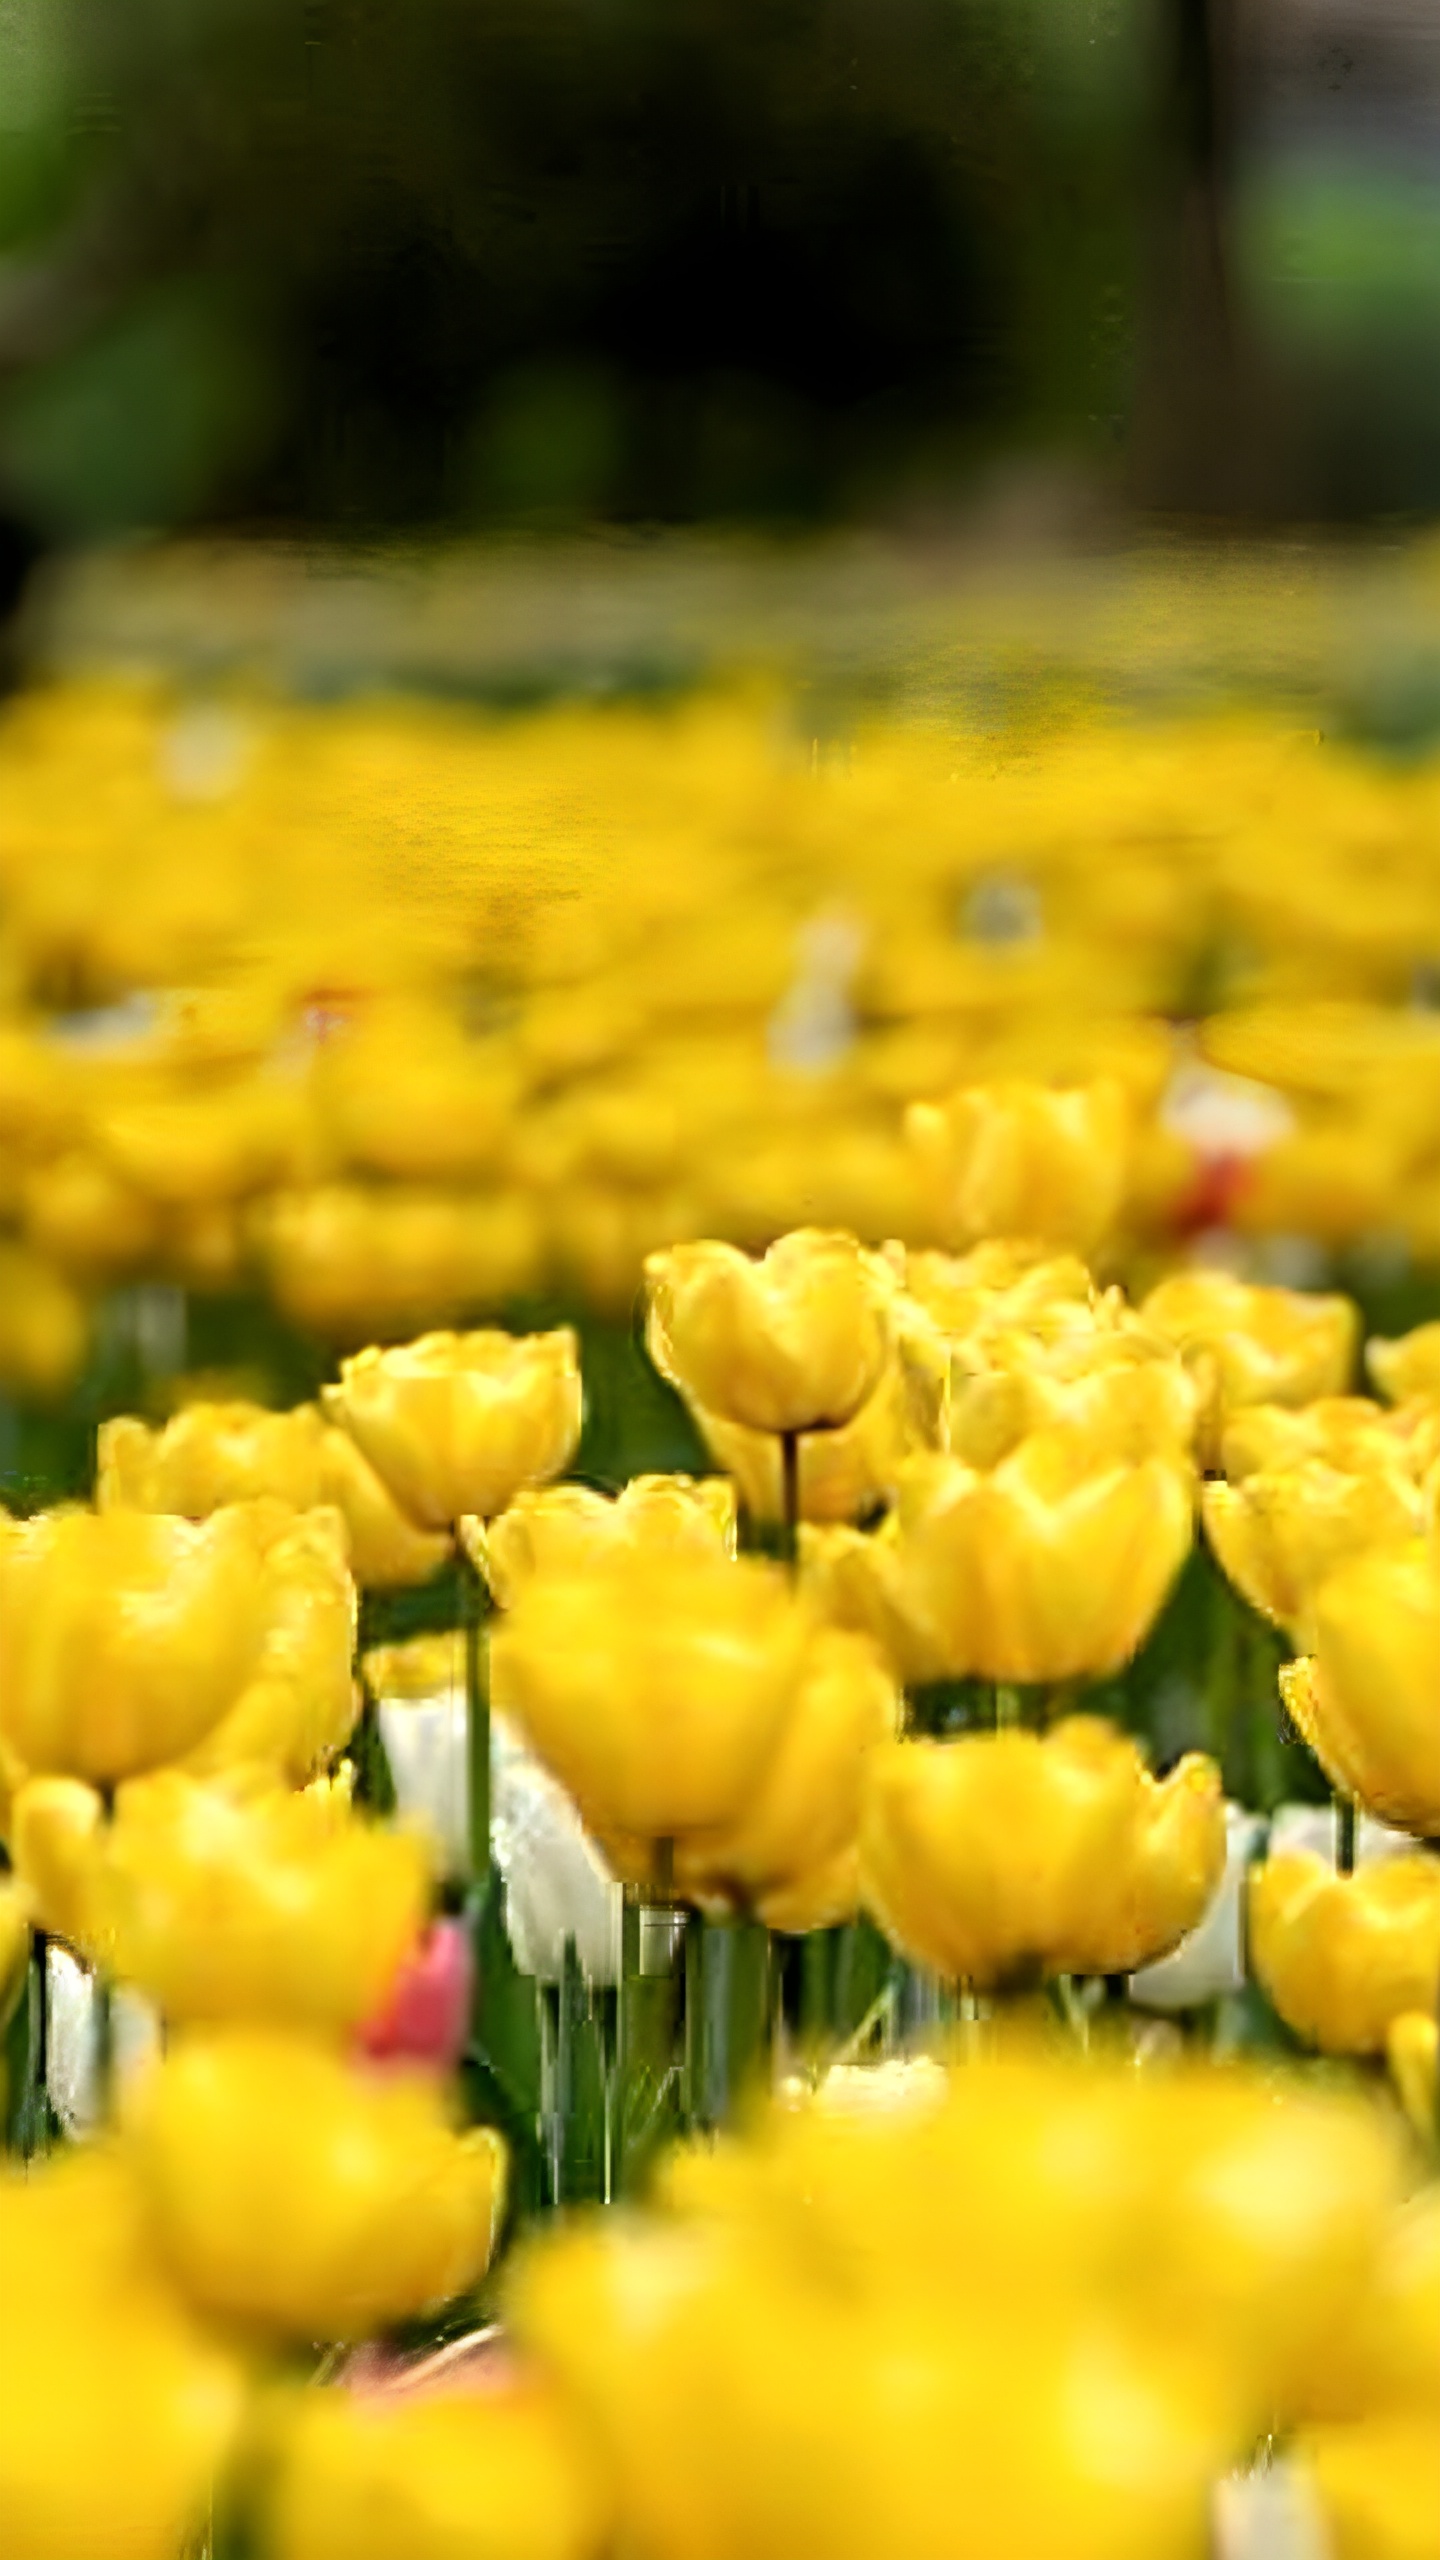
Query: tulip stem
{"points": [[477, 1724], [790, 1498], [1346, 1827], [1007, 1706]]}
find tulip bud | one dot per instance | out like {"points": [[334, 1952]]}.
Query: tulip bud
{"points": [[794, 1342], [427, 2015], [462, 1422]]}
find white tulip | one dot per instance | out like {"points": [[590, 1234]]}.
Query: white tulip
{"points": [[1269, 2514], [557, 1885], [1316, 1827], [71, 2054], [1210, 1962]]}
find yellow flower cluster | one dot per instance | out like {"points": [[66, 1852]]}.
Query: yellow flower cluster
{"points": [[405, 1014], [1325, 1520], [1024, 2308], [1040, 2305], [174, 1692]]}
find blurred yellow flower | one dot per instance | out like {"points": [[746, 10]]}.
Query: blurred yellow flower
{"points": [[1388, 2356], [300, 2194], [1053, 1567], [284, 1909], [118, 2413], [1251, 1345], [794, 1342], [1377, 2486], [569, 1528], [15, 1917], [1413, 2050], [993, 1855], [1019, 1160], [403, 1092], [44, 1326], [499, 2473], [124, 1636], [1341, 1957], [1364, 1698], [462, 1422], [1407, 1367], [211, 1454], [1278, 1535]]}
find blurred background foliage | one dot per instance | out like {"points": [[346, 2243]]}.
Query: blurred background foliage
{"points": [[351, 264]]}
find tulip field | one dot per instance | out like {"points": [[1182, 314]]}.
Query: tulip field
{"points": [[719, 1638]]}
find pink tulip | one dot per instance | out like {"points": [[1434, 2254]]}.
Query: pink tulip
{"points": [[427, 2017]]}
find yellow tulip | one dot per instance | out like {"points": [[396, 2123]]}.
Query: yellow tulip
{"points": [[1275, 2210], [697, 1705], [1348, 1433], [858, 1579], [44, 1329], [1341, 1957], [462, 1422], [387, 1551], [1054, 1567], [210, 1454], [118, 2413], [1407, 1367], [405, 1093], [843, 1474], [1109, 1386], [1413, 2051], [1000, 1282], [1020, 1160], [1251, 1345], [124, 1636], [794, 1342], [299, 1706], [54, 1840], [85, 1217], [791, 1857], [200, 1147], [569, 1528], [444, 2474], [15, 1917], [1388, 2356], [755, 2389], [1377, 2486], [996, 1854], [1277, 1536], [284, 1909], [1364, 1699], [292, 2191]]}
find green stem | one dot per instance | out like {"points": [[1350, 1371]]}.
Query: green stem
{"points": [[1072, 2009], [1007, 1706], [817, 1989], [1346, 1829], [693, 2025], [473, 1602], [624, 2081], [728, 2009], [790, 1498]]}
